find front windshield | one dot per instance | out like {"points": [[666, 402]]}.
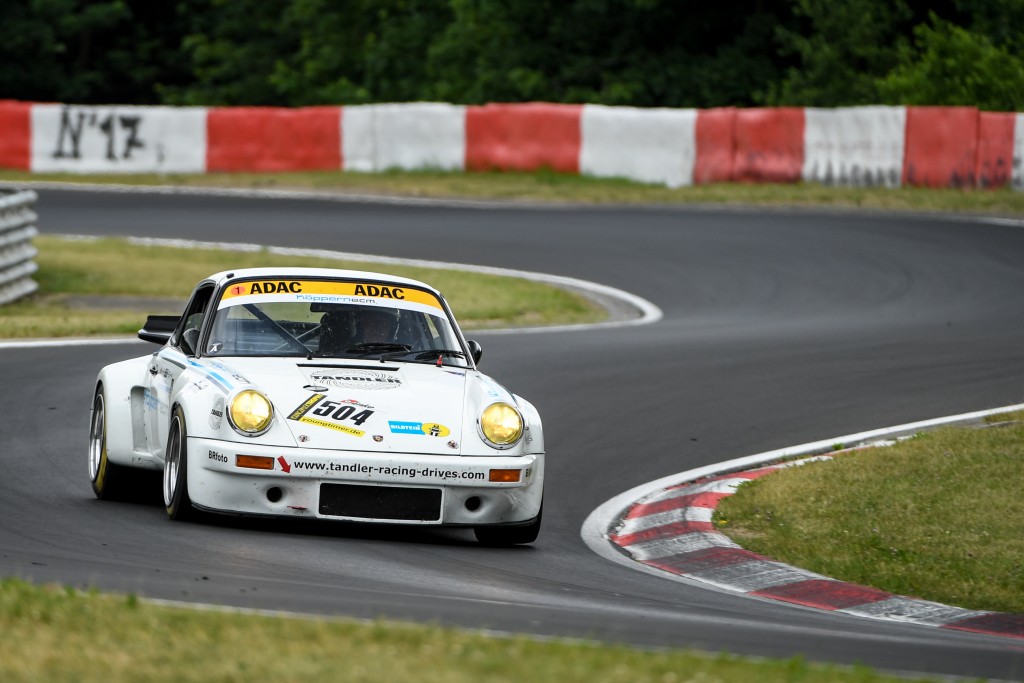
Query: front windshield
{"points": [[333, 319]]}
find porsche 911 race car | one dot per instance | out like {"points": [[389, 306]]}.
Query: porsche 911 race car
{"points": [[319, 393]]}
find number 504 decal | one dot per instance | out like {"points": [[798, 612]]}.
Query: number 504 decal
{"points": [[336, 411]]}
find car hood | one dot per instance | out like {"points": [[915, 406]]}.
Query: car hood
{"points": [[367, 406]]}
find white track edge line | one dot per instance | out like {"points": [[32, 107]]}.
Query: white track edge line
{"points": [[649, 312]]}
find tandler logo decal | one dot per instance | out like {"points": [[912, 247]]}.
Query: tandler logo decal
{"points": [[358, 379]]}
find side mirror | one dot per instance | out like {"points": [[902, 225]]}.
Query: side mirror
{"points": [[476, 350], [189, 341], [158, 328]]}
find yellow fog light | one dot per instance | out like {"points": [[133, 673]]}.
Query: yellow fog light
{"points": [[501, 425], [250, 413]]}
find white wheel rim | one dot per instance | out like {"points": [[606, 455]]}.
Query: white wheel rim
{"points": [[171, 463], [97, 438]]}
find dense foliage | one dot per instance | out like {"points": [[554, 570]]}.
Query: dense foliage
{"points": [[622, 52]]}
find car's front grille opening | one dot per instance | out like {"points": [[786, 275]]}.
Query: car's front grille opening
{"points": [[380, 502]]}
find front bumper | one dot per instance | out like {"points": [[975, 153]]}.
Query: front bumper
{"points": [[460, 488]]}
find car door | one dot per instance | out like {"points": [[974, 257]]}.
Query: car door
{"points": [[166, 366]]}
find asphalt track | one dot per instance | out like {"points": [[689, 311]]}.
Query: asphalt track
{"points": [[779, 328]]}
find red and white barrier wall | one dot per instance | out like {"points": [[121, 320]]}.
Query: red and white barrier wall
{"points": [[649, 145], [378, 137], [851, 146], [856, 146]]}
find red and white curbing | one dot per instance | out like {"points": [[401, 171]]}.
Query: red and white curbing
{"points": [[669, 530]]}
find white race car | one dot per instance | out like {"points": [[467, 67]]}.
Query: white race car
{"points": [[318, 393]]}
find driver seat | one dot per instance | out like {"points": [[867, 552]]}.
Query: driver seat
{"points": [[337, 332]]}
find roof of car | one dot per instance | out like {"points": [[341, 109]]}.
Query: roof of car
{"points": [[298, 273]]}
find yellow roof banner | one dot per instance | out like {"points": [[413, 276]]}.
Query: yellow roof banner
{"points": [[328, 291]]}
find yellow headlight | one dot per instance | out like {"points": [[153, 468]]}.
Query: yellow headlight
{"points": [[250, 412], [501, 424]]}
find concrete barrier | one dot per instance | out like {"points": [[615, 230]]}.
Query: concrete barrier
{"points": [[716, 145], [769, 145], [273, 139], [941, 147], [880, 146], [523, 137], [854, 146], [646, 145], [417, 135], [117, 139]]}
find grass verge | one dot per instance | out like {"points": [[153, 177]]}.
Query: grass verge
{"points": [[60, 635], [935, 517], [547, 186], [90, 287]]}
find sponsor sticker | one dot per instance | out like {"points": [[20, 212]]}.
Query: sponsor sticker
{"points": [[331, 291], [331, 414], [418, 428], [373, 380], [217, 413], [345, 470], [332, 425], [306, 406], [197, 385]]}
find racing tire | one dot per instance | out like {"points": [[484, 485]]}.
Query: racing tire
{"points": [[110, 481], [176, 498], [510, 535]]}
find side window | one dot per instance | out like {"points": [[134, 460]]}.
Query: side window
{"points": [[187, 336]]}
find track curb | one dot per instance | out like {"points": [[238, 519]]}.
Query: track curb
{"points": [[664, 528]]}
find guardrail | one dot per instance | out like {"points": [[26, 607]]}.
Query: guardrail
{"points": [[17, 218]]}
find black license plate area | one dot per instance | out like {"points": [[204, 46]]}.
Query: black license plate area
{"points": [[380, 502]]}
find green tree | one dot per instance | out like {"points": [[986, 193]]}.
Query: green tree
{"points": [[943, 52], [639, 52], [304, 52], [843, 47], [949, 65], [648, 53], [622, 52], [231, 48], [1000, 21], [89, 52], [359, 51]]}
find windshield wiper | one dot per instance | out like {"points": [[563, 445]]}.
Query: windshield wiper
{"points": [[422, 354], [378, 347], [363, 349]]}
